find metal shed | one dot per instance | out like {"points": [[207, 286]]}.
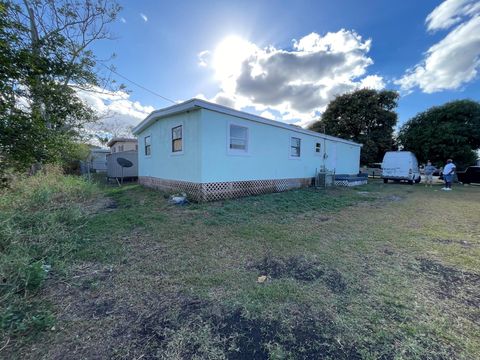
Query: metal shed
{"points": [[115, 171]]}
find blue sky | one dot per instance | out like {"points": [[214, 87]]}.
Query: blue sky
{"points": [[173, 49]]}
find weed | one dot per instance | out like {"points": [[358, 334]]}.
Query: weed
{"points": [[40, 216]]}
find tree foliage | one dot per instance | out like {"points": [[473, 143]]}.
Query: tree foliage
{"points": [[45, 59], [365, 116], [442, 132]]}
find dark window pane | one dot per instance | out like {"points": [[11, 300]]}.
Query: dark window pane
{"points": [[147, 148]]}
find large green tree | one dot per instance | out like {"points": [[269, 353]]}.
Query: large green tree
{"points": [[442, 132], [365, 116], [45, 59]]}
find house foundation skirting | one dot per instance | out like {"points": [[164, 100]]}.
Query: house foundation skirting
{"points": [[351, 183], [224, 190]]}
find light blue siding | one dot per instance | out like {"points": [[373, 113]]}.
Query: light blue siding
{"points": [[206, 156], [164, 164], [268, 155]]}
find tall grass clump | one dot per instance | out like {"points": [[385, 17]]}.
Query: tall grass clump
{"points": [[39, 221]]}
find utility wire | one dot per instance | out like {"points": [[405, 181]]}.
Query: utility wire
{"points": [[137, 84]]}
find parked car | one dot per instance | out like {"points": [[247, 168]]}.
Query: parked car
{"points": [[470, 175], [400, 166]]}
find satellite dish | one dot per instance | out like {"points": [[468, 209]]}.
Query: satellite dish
{"points": [[124, 163]]}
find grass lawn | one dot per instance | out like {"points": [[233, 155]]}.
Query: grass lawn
{"points": [[387, 271]]}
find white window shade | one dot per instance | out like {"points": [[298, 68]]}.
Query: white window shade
{"points": [[238, 138]]}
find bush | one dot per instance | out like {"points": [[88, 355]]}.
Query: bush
{"points": [[38, 219]]}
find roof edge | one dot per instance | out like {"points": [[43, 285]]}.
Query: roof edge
{"points": [[114, 140], [202, 104]]}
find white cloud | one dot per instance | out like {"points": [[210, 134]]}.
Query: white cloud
{"points": [[298, 83], [454, 60], [268, 115], [123, 20], [203, 58], [118, 114], [451, 12], [372, 82], [144, 17]]}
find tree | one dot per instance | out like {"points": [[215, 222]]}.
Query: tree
{"points": [[365, 116], [442, 132], [45, 59]]}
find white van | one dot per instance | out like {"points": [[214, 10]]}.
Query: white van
{"points": [[400, 165]]}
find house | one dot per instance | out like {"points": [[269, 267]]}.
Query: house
{"points": [[98, 159], [118, 144], [214, 152], [123, 151]]}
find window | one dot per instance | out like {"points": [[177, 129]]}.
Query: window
{"points": [[177, 139], [136, 147], [295, 147], [114, 149], [120, 148], [238, 138], [318, 147], [148, 145]]}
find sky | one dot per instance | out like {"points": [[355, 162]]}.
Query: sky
{"points": [[285, 60]]}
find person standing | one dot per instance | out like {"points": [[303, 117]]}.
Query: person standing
{"points": [[429, 170], [448, 172]]}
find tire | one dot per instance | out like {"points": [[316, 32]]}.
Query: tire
{"points": [[418, 180], [385, 181]]}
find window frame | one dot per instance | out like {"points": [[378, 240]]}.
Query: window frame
{"points": [[319, 152], [238, 152], [149, 136], [172, 139], [295, 157]]}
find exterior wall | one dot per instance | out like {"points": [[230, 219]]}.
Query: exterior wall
{"points": [[114, 170], [162, 163], [268, 156], [342, 158], [206, 169], [127, 146]]}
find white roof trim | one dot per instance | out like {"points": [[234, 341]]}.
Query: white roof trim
{"points": [[194, 104]]}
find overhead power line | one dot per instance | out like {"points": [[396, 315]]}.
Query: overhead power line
{"points": [[137, 84]]}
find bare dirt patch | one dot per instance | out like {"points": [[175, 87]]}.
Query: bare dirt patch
{"points": [[451, 283], [232, 333], [302, 269]]}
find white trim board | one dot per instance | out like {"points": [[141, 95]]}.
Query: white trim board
{"points": [[195, 104]]}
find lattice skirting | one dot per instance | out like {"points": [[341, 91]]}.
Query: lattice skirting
{"points": [[224, 190], [350, 183]]}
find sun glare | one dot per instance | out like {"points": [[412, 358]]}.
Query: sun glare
{"points": [[229, 55]]}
